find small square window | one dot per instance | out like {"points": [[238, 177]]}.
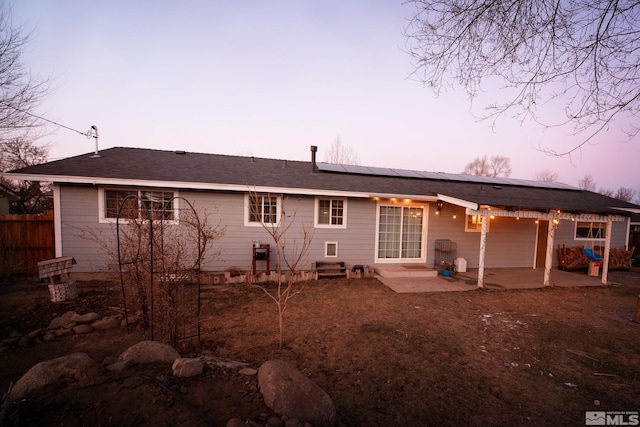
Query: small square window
{"points": [[474, 223], [331, 249]]}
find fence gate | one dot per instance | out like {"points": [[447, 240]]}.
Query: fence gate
{"points": [[24, 241], [159, 259]]}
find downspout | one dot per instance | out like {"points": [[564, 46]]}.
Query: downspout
{"points": [[57, 220], [605, 256]]}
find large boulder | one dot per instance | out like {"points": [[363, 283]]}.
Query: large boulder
{"points": [[289, 392], [187, 367], [78, 366], [149, 352]]}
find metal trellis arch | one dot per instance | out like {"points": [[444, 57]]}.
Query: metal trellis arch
{"points": [[159, 270]]}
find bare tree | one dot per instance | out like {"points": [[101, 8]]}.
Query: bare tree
{"points": [[33, 196], [20, 93], [484, 166], [341, 154], [606, 192], [625, 194], [546, 175], [581, 53], [157, 289], [587, 183], [291, 253]]}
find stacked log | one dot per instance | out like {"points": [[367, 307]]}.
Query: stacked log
{"points": [[574, 258], [620, 259]]}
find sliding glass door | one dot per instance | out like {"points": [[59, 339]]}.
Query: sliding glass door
{"points": [[400, 230]]}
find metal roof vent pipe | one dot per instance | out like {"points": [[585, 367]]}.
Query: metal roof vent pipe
{"points": [[93, 133], [314, 165]]}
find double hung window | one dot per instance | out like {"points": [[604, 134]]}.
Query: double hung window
{"points": [[262, 209], [331, 213], [134, 204], [586, 230]]}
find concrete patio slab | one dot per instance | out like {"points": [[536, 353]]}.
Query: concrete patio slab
{"points": [[495, 278]]}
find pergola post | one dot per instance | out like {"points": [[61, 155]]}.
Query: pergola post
{"points": [[483, 248], [605, 256], [548, 261]]}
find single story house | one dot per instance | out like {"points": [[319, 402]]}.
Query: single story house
{"points": [[360, 215], [7, 196]]}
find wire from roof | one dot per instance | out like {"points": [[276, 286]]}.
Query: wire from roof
{"points": [[87, 134]]}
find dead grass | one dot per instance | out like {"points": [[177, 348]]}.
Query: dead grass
{"points": [[524, 357]]}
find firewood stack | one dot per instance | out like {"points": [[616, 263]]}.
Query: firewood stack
{"points": [[620, 259], [574, 258]]}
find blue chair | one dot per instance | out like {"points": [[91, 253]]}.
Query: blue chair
{"points": [[592, 255]]}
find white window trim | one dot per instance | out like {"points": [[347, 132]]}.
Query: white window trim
{"points": [[479, 229], [588, 239], [316, 213], [247, 209], [425, 230], [326, 249], [101, 204]]}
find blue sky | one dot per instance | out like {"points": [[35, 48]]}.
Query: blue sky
{"points": [[269, 79]]}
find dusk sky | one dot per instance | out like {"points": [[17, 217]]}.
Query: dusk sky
{"points": [[270, 79]]}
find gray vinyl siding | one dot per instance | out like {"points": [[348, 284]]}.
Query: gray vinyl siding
{"points": [[355, 243], [510, 242], [79, 218]]}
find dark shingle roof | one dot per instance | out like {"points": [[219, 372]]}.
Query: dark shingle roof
{"points": [[169, 166]]}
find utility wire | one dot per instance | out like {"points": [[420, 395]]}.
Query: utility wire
{"points": [[87, 134]]}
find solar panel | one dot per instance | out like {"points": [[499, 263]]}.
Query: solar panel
{"points": [[330, 167], [359, 169], [407, 173]]}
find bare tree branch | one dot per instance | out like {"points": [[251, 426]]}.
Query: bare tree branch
{"points": [[484, 166], [341, 154], [582, 53], [290, 251], [20, 92]]}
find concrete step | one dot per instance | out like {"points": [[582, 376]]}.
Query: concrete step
{"points": [[405, 271]]}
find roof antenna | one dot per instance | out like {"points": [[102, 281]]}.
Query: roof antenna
{"points": [[93, 133]]}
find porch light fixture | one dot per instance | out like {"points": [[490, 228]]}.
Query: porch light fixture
{"points": [[439, 205]]}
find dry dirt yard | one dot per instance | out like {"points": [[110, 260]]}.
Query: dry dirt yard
{"points": [[484, 357]]}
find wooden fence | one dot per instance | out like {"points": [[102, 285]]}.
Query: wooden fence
{"points": [[24, 241]]}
